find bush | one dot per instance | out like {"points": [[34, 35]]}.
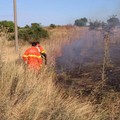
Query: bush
{"points": [[35, 31], [113, 21], [95, 25], [7, 24], [81, 22], [52, 25]]}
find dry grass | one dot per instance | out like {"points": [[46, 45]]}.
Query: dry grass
{"points": [[58, 38], [28, 96], [25, 95]]}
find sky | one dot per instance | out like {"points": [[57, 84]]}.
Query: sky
{"points": [[59, 12]]}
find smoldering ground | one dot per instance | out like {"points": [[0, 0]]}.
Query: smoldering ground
{"points": [[82, 60], [89, 49]]}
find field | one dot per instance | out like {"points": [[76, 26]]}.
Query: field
{"points": [[73, 85]]}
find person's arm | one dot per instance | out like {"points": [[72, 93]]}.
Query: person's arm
{"points": [[25, 56], [45, 57], [43, 54], [40, 60]]}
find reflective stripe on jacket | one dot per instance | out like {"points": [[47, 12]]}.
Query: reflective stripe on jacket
{"points": [[40, 48], [32, 57]]}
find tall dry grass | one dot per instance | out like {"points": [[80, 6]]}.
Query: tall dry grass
{"points": [[25, 95], [28, 96]]}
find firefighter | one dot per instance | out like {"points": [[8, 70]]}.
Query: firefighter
{"points": [[32, 57], [42, 52]]}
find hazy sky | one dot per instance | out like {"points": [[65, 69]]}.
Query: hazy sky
{"points": [[58, 11]]}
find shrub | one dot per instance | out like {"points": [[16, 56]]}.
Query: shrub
{"points": [[52, 25], [35, 31], [7, 24], [81, 22]]}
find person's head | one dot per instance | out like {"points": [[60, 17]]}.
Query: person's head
{"points": [[37, 42], [34, 43]]}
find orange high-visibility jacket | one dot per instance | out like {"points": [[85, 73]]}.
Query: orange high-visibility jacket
{"points": [[33, 57], [40, 48]]}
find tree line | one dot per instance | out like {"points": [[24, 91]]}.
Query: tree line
{"points": [[113, 21], [28, 33], [35, 31]]}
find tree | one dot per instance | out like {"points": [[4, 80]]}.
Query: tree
{"points": [[52, 25], [95, 25], [81, 22], [38, 31], [113, 21], [27, 26], [33, 32], [7, 24]]}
